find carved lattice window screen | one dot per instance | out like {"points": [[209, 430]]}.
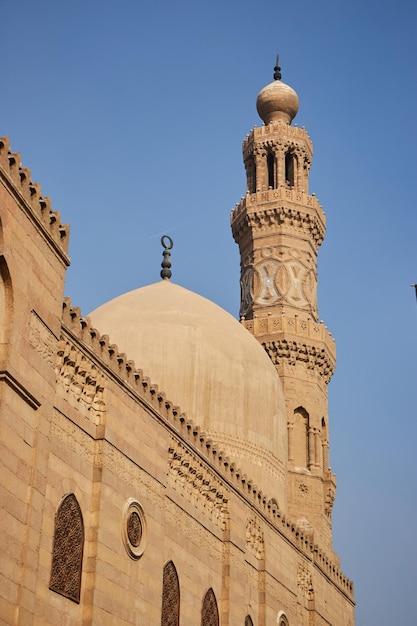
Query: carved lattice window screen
{"points": [[209, 612], [67, 551], [170, 615]]}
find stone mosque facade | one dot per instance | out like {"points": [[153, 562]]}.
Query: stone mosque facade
{"points": [[161, 462]]}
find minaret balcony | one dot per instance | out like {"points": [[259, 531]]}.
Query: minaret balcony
{"points": [[280, 207]]}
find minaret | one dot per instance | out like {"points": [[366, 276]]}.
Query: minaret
{"points": [[279, 228]]}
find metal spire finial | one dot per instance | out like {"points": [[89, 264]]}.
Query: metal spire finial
{"points": [[166, 263], [277, 70]]}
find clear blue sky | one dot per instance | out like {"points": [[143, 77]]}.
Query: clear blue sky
{"points": [[131, 116]]}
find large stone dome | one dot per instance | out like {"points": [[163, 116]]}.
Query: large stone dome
{"points": [[212, 368]]}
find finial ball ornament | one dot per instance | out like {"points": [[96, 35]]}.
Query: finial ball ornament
{"points": [[277, 102]]}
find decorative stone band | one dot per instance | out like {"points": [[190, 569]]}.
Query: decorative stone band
{"points": [[295, 341], [276, 209], [18, 179]]}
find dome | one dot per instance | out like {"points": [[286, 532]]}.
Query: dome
{"points": [[277, 102], [209, 365]]}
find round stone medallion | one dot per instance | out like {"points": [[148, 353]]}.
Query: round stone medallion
{"points": [[134, 528]]}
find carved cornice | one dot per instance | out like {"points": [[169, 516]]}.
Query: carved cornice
{"points": [[294, 341], [278, 209], [37, 207], [312, 357], [278, 132]]}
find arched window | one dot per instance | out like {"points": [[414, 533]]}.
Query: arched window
{"points": [[67, 551], [301, 427], [248, 621], [209, 611], [324, 445], [282, 620], [289, 169], [170, 614], [6, 303], [270, 161]]}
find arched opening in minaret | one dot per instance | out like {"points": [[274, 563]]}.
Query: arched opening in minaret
{"points": [[270, 161], [250, 165], [289, 169], [301, 433], [324, 445]]}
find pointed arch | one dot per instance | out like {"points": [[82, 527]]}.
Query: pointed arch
{"points": [[248, 621], [6, 306], [67, 550], [209, 610], [270, 162], [282, 619], [301, 429], [324, 445], [170, 614], [290, 169]]}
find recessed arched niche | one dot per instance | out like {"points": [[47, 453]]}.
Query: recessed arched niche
{"points": [[6, 301]]}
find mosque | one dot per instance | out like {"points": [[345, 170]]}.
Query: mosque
{"points": [[162, 462]]}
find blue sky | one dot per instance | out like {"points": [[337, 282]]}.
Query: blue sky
{"points": [[131, 116]]}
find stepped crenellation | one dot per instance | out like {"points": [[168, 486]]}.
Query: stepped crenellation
{"points": [[30, 193], [100, 349]]}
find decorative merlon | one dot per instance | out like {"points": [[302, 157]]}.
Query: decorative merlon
{"points": [[19, 180]]}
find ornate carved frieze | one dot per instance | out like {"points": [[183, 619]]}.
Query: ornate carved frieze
{"points": [[329, 496], [74, 439], [305, 581], [201, 487], [42, 339], [81, 381], [190, 529], [246, 451], [255, 538]]}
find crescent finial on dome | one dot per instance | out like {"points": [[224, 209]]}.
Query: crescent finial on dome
{"points": [[277, 70], [167, 244]]}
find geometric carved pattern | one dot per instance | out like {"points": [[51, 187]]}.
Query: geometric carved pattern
{"points": [[67, 551], [170, 615], [209, 611], [134, 529]]}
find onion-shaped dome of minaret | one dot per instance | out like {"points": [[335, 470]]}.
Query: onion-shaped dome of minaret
{"points": [[277, 102]]}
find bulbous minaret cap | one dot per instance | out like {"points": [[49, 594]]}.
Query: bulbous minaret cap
{"points": [[277, 102]]}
